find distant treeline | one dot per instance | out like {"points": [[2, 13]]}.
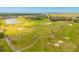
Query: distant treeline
{"points": [[18, 14]]}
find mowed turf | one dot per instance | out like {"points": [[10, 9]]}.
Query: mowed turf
{"points": [[51, 33], [42, 36], [22, 38], [4, 46]]}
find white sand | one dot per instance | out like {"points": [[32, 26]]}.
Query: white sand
{"points": [[19, 21], [48, 23], [69, 24], [60, 41], [20, 28], [1, 30], [66, 37], [56, 44]]}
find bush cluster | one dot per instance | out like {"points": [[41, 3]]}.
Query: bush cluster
{"points": [[1, 34], [57, 18]]}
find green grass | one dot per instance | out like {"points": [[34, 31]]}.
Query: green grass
{"points": [[4, 46], [46, 33]]}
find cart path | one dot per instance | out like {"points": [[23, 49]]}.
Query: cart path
{"points": [[31, 45], [7, 39]]}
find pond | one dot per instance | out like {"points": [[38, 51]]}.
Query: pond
{"points": [[10, 21]]}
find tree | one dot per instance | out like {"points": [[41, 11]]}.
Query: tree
{"points": [[38, 17], [54, 18], [76, 20], [1, 34]]}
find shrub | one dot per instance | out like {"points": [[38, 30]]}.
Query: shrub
{"points": [[56, 18], [76, 20], [66, 18], [77, 17], [37, 17], [1, 34]]}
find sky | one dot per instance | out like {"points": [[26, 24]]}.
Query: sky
{"points": [[40, 9]]}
